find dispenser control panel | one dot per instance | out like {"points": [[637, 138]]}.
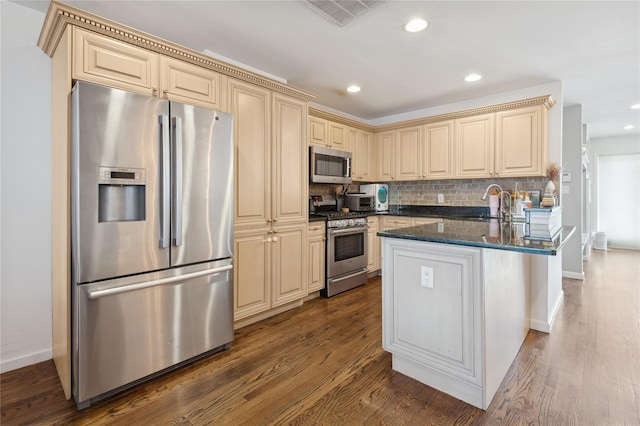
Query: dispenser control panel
{"points": [[121, 176]]}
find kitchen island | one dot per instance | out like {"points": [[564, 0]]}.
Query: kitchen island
{"points": [[460, 296]]}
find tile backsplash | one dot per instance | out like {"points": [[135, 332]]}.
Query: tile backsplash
{"points": [[456, 192]]}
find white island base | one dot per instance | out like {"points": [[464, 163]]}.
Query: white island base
{"points": [[454, 317]]}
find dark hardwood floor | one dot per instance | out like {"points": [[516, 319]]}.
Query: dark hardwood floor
{"points": [[322, 364]]}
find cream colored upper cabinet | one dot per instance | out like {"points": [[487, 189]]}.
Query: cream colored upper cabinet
{"points": [[184, 82], [437, 155], [408, 149], [474, 146], [112, 63], [385, 142], [350, 142], [251, 108], [290, 160], [337, 137], [521, 142], [318, 131], [364, 157]]}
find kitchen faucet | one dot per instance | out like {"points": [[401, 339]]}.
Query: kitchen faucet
{"points": [[504, 213]]}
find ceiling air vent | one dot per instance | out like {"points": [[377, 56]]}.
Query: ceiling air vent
{"points": [[341, 11]]}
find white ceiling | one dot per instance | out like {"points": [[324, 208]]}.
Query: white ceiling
{"points": [[593, 47]]}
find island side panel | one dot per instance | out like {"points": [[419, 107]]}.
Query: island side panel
{"points": [[507, 311], [435, 333], [546, 291]]}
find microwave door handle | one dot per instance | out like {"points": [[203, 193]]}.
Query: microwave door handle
{"points": [[177, 182], [164, 181], [348, 168]]}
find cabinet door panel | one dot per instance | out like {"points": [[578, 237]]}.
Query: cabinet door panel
{"points": [[438, 153], [290, 159], [290, 264], [252, 272], [363, 157], [250, 106], [316, 258], [474, 146], [386, 155], [318, 131], [408, 150], [520, 142], [191, 84], [337, 136], [112, 63]]}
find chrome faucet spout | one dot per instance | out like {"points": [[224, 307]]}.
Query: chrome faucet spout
{"points": [[486, 192]]}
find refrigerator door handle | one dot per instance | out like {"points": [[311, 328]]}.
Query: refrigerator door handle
{"points": [[165, 183], [177, 182], [96, 294]]}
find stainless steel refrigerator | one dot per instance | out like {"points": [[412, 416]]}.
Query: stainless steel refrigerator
{"points": [[152, 237]]}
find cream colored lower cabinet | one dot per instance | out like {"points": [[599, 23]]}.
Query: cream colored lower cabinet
{"points": [[394, 222], [289, 262], [415, 221], [270, 268], [316, 253], [373, 241]]}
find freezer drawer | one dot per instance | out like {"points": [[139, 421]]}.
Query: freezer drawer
{"points": [[130, 328]]}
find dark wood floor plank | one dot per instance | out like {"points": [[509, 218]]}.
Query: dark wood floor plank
{"points": [[323, 364]]}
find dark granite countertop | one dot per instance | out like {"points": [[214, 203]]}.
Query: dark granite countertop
{"points": [[483, 233], [440, 211]]}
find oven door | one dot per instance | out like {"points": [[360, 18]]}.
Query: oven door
{"points": [[346, 250]]}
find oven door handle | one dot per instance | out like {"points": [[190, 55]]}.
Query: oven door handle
{"points": [[355, 230]]}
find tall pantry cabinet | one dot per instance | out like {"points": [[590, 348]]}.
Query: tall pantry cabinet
{"points": [[270, 209], [270, 148]]}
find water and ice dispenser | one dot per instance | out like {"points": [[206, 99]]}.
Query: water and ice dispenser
{"points": [[121, 194]]}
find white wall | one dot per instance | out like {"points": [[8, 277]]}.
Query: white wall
{"points": [[25, 191], [572, 192], [625, 203]]}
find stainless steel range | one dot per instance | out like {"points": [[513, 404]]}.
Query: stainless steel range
{"points": [[346, 251]]}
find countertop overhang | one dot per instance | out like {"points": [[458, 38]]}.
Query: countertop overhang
{"points": [[486, 233]]}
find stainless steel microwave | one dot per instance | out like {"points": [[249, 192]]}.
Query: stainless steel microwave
{"points": [[327, 165]]}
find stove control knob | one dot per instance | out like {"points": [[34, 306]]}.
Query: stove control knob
{"points": [[352, 222]]}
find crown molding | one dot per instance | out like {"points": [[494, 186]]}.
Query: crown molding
{"points": [[60, 15], [339, 119], [547, 101]]}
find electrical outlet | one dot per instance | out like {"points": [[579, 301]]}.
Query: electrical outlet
{"points": [[440, 227], [426, 277], [441, 198]]}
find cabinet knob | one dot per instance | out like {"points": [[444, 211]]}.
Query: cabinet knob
{"points": [[270, 232], [275, 232], [165, 92], [275, 220], [154, 91], [268, 220]]}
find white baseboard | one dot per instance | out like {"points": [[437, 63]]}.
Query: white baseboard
{"points": [[573, 275], [25, 360], [546, 326]]}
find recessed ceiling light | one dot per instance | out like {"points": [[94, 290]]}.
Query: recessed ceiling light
{"points": [[353, 89], [628, 127], [635, 106], [416, 25], [473, 77]]}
